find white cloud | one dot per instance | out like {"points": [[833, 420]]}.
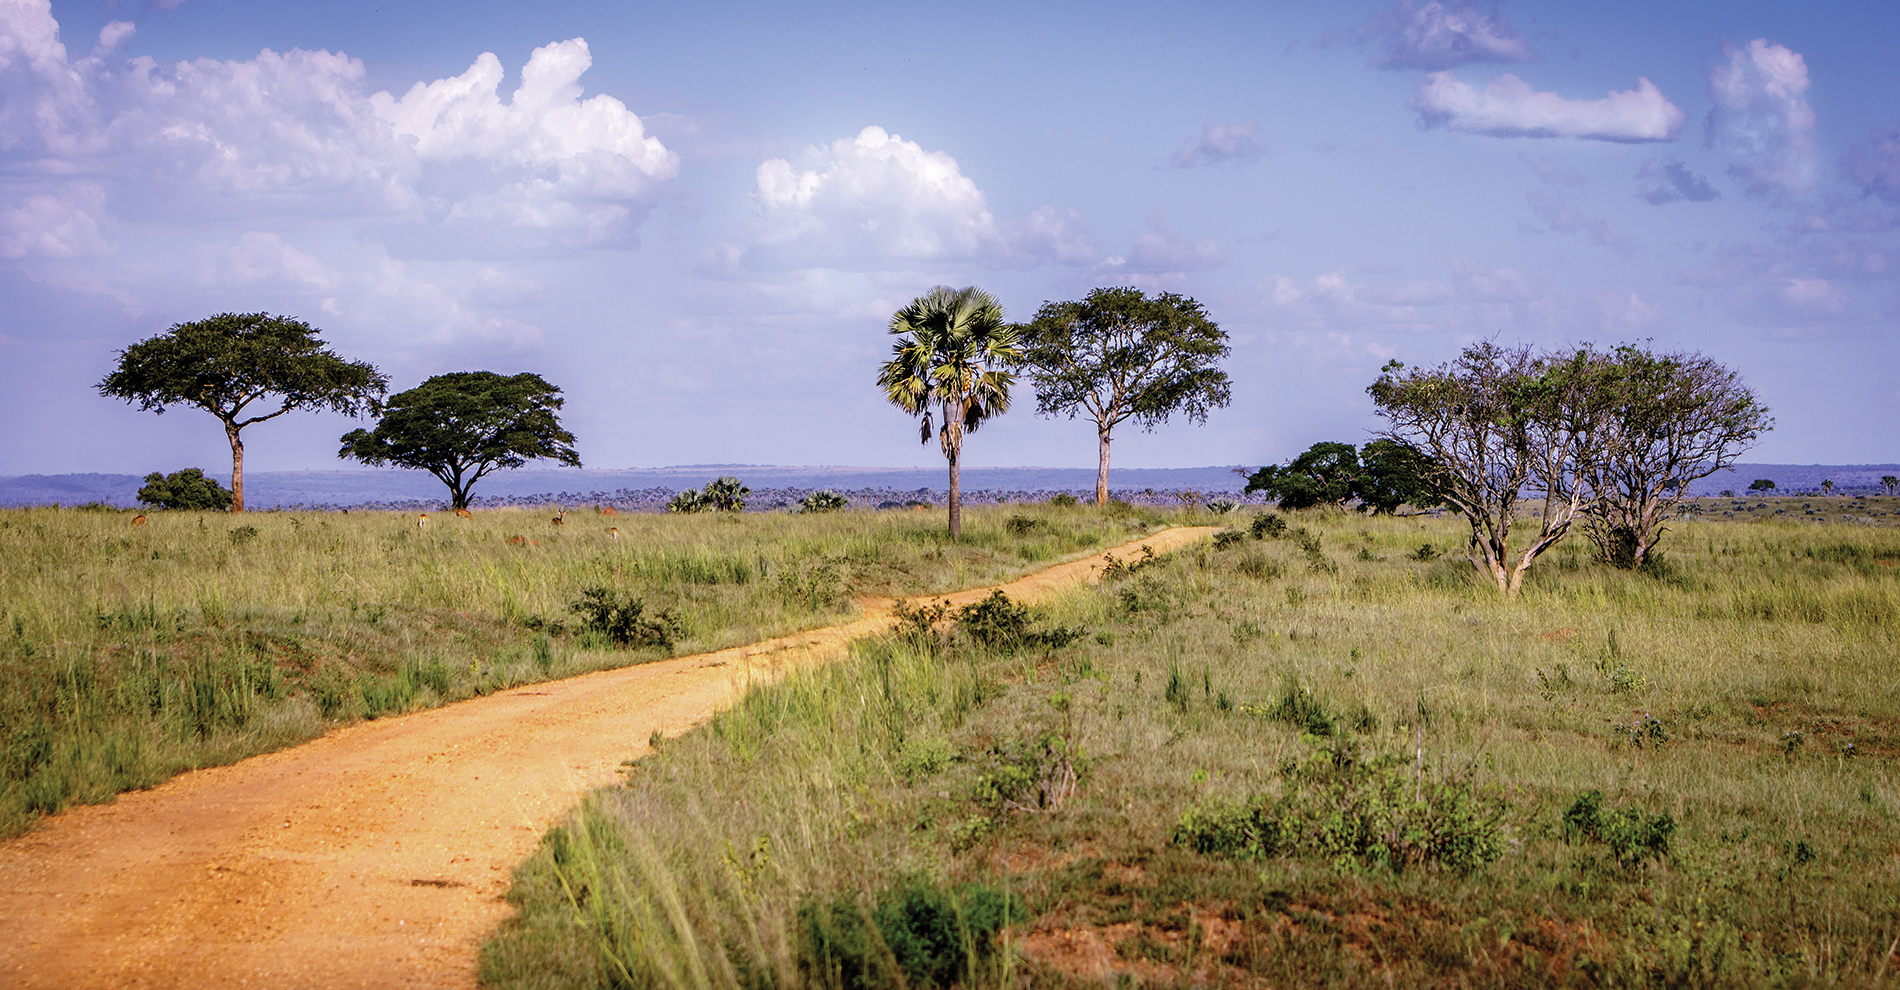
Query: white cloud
{"points": [[1160, 250], [1761, 117], [64, 223], [296, 133], [1443, 35], [1220, 143], [879, 202], [1509, 107], [263, 258], [1473, 301]]}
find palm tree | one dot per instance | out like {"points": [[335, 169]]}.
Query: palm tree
{"points": [[951, 347]]}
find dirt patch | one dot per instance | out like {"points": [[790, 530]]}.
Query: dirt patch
{"points": [[376, 856]]}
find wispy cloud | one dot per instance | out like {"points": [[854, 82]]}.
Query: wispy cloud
{"points": [[1560, 216], [1509, 107], [1762, 118], [1668, 180], [1441, 35], [1219, 144], [1875, 165]]}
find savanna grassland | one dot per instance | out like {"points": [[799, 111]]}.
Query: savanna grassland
{"points": [[1311, 752], [131, 653]]}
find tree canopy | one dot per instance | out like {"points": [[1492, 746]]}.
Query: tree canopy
{"points": [[231, 363], [187, 489], [1492, 426], [1383, 475], [1117, 355], [950, 362], [464, 425]]}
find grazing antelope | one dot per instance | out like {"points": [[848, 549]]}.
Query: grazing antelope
{"points": [[464, 514], [422, 521], [139, 520], [521, 541], [560, 520], [614, 531]]}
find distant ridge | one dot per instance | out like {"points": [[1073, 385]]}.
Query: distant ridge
{"points": [[401, 489]]}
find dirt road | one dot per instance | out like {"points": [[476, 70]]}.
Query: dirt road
{"points": [[377, 855]]}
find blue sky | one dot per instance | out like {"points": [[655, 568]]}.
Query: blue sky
{"points": [[697, 219]]}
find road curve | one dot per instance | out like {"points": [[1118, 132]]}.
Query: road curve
{"points": [[377, 855]]}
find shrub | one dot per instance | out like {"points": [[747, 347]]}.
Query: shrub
{"points": [[1062, 500], [623, 620], [1386, 812], [188, 489], [1002, 624], [912, 935], [824, 500], [1022, 525], [1265, 525], [1222, 506], [1631, 834], [1227, 538], [687, 501]]}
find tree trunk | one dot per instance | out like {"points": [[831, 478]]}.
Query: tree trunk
{"points": [[956, 498], [1101, 473], [237, 466]]}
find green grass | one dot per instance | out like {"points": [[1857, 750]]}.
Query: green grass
{"points": [[130, 654], [1326, 758]]}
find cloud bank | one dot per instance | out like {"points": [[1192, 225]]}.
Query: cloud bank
{"points": [[1509, 107]]}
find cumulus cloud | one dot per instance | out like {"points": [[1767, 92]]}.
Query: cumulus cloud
{"points": [[262, 258], [1509, 107], [1220, 143], [878, 202], [1875, 166], [1474, 295], [297, 133], [1761, 117], [1668, 180], [1443, 35]]}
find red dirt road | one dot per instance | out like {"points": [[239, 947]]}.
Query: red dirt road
{"points": [[375, 856]]}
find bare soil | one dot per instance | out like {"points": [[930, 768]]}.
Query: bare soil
{"points": [[376, 856]]}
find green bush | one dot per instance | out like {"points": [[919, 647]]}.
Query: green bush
{"points": [[1631, 833], [1387, 812], [1265, 525], [720, 495], [188, 489], [1062, 500], [1002, 624], [914, 935], [1227, 538], [622, 619]]}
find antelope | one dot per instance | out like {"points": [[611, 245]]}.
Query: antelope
{"points": [[422, 521], [614, 531], [139, 520], [560, 520], [464, 514], [521, 541]]}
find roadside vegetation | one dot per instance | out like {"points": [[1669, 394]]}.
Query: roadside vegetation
{"points": [[1316, 750], [136, 647]]}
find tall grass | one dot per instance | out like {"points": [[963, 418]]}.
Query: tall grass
{"points": [[128, 654], [1736, 717]]}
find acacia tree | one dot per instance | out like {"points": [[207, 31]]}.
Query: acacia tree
{"points": [[950, 362], [1326, 474], [1890, 483], [1672, 419], [463, 425], [1118, 355], [226, 363], [1493, 426]]}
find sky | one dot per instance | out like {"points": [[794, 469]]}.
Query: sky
{"points": [[697, 219]]}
